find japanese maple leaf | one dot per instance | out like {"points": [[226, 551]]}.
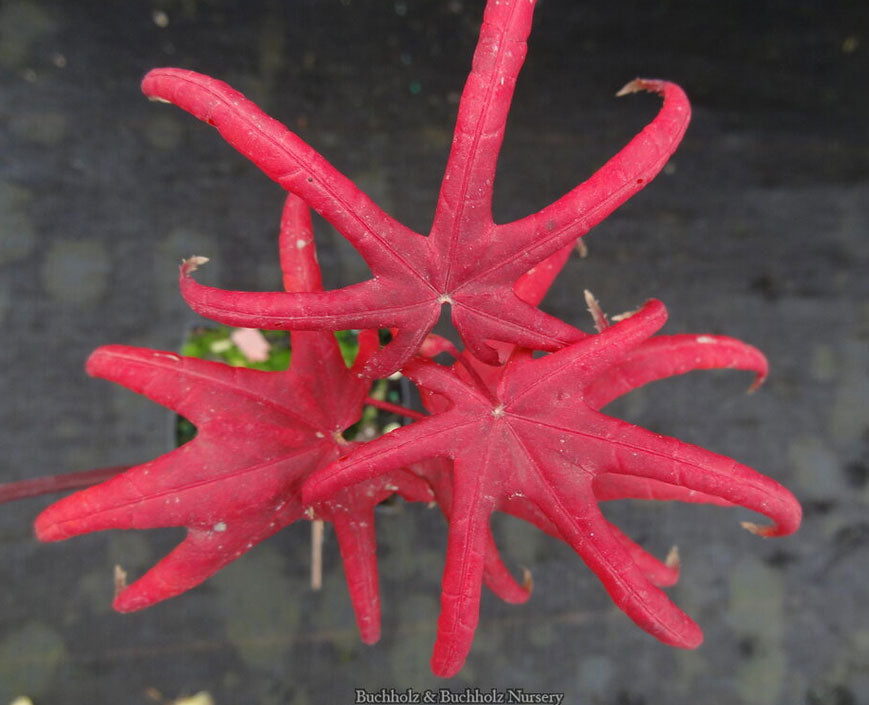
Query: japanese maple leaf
{"points": [[466, 260], [532, 287], [259, 435], [538, 441], [656, 358]]}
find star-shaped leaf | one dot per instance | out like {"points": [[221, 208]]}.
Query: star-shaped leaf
{"points": [[656, 358], [466, 261], [536, 438]]}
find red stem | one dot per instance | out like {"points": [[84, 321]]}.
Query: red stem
{"points": [[35, 487], [395, 408]]}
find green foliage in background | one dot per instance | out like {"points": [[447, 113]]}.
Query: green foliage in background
{"points": [[215, 343]]}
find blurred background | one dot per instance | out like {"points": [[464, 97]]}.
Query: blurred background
{"points": [[756, 229]]}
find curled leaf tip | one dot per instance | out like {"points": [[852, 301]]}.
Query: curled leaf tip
{"points": [[597, 314], [630, 87], [120, 577], [758, 529], [756, 384], [637, 85], [527, 580], [191, 264], [672, 560], [625, 315]]}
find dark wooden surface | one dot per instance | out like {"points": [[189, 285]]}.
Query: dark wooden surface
{"points": [[757, 230]]}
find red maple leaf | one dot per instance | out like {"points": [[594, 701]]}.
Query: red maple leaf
{"points": [[678, 354], [654, 359], [534, 444], [466, 261], [259, 435]]}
